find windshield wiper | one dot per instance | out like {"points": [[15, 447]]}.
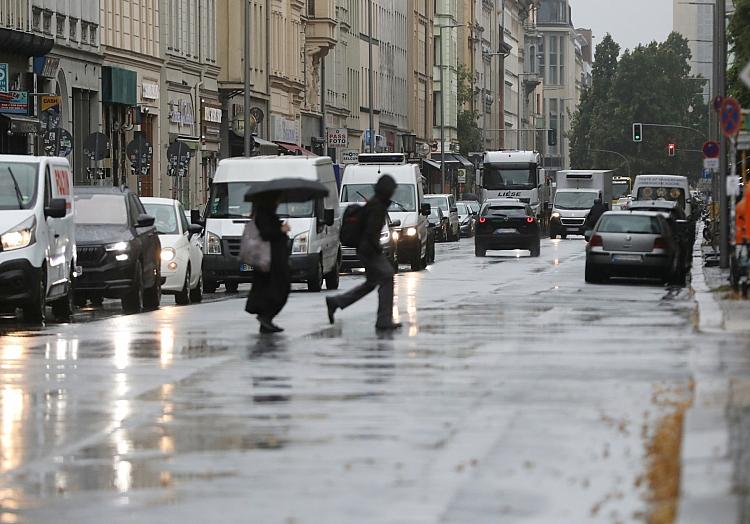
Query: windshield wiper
{"points": [[363, 196], [19, 196], [399, 204]]}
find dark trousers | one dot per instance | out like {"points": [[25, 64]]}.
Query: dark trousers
{"points": [[379, 273]]}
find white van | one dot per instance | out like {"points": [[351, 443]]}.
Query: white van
{"points": [[408, 207], [663, 187], [37, 233], [314, 226]]}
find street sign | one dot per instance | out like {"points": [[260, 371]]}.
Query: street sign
{"points": [[178, 156], [140, 152], [57, 142], [706, 175], [50, 102], [743, 142], [3, 78], [337, 137], [745, 75], [711, 163], [711, 150], [731, 116], [96, 146], [14, 102], [349, 156]]}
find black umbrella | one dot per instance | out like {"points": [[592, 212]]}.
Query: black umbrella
{"points": [[290, 189]]}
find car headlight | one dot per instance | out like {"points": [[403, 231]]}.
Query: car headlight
{"points": [[411, 232], [213, 244], [384, 237], [118, 246], [168, 254], [300, 245], [395, 235], [20, 236], [555, 215]]}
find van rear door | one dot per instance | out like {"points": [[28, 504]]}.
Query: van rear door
{"points": [[58, 184]]}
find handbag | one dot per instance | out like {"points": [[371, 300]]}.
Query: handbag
{"points": [[255, 251]]}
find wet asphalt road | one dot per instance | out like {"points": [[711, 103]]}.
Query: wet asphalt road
{"points": [[514, 393]]}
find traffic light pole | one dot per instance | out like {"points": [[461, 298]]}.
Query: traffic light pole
{"points": [[720, 47]]}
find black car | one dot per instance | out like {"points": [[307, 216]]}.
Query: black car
{"points": [[118, 249], [504, 224], [437, 223]]}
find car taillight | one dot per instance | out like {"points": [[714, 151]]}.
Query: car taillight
{"points": [[530, 220], [660, 243], [596, 241], [482, 220]]}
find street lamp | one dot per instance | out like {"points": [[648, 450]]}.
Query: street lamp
{"points": [[442, 105]]}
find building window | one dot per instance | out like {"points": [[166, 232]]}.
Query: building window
{"points": [[60, 19], [93, 30], [47, 22], [36, 20], [73, 29]]}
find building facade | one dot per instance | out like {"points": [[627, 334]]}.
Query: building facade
{"points": [[420, 65], [445, 91]]}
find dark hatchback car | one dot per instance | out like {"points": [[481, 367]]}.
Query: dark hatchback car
{"points": [[504, 224], [118, 249], [437, 223]]}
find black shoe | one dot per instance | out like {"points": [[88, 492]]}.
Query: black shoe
{"points": [[393, 326], [266, 326], [331, 309]]}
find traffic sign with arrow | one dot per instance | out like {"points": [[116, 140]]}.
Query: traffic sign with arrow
{"points": [[731, 117]]}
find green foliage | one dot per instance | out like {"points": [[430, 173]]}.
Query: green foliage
{"points": [[469, 134], [650, 84], [738, 38]]}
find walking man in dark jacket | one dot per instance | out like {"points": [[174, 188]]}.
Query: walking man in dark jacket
{"points": [[378, 270], [596, 212]]}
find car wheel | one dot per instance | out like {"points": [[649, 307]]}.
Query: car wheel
{"points": [[152, 295], [196, 294], [315, 282], [132, 303], [231, 287], [332, 278], [432, 252], [563, 236], [182, 298], [536, 249], [416, 263], [63, 308], [592, 275], [553, 236], [97, 300], [394, 263], [36, 310], [209, 286], [80, 300], [479, 251]]}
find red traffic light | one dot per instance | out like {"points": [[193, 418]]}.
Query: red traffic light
{"points": [[672, 149]]}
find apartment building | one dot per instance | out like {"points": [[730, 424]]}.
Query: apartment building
{"points": [[420, 65], [445, 74]]}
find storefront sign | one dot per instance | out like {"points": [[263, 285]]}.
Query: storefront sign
{"points": [[181, 112], [3, 78], [349, 156], [150, 91], [212, 114], [337, 137], [50, 102], [284, 130], [14, 102]]}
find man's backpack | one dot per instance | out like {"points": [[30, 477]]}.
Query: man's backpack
{"points": [[352, 225]]}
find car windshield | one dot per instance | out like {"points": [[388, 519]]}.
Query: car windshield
{"points": [[632, 224], [673, 194], [403, 200], [497, 177], [620, 189], [101, 210], [567, 200], [228, 201], [435, 213], [441, 202], [166, 218], [503, 211], [463, 209], [18, 183]]}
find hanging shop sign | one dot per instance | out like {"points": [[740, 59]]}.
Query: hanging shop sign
{"points": [[150, 91], [14, 102], [3, 78], [181, 112]]}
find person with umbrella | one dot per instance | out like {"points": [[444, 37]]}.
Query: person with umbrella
{"points": [[271, 288]]}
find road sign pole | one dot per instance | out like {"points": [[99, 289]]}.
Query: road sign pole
{"points": [[721, 69]]}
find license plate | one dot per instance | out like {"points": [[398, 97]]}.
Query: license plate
{"points": [[627, 258], [244, 268], [505, 231]]}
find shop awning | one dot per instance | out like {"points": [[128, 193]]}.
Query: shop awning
{"points": [[23, 43], [294, 149], [435, 162], [192, 142], [21, 124], [465, 162]]}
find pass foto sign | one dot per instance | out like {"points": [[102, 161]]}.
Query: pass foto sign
{"points": [[337, 137]]}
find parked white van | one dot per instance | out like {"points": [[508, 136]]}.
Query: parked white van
{"points": [[663, 187], [37, 236], [314, 226], [408, 204]]}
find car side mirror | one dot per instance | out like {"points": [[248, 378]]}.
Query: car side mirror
{"points": [[145, 220], [328, 217], [56, 209], [194, 229], [588, 234], [396, 223], [426, 209]]}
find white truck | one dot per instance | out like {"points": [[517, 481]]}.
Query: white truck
{"points": [[575, 193], [515, 174]]}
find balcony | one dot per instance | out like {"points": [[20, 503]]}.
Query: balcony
{"points": [[16, 34], [320, 32]]}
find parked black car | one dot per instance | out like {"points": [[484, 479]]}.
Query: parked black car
{"points": [[504, 224], [438, 224], [118, 249]]}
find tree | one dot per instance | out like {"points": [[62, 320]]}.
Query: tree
{"points": [[650, 84], [738, 38], [469, 134]]}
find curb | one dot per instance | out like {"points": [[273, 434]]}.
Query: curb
{"points": [[706, 480]]}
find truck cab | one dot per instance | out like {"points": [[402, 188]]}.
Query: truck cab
{"points": [[515, 174], [575, 194]]}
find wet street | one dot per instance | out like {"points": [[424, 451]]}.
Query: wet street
{"points": [[514, 393]]}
